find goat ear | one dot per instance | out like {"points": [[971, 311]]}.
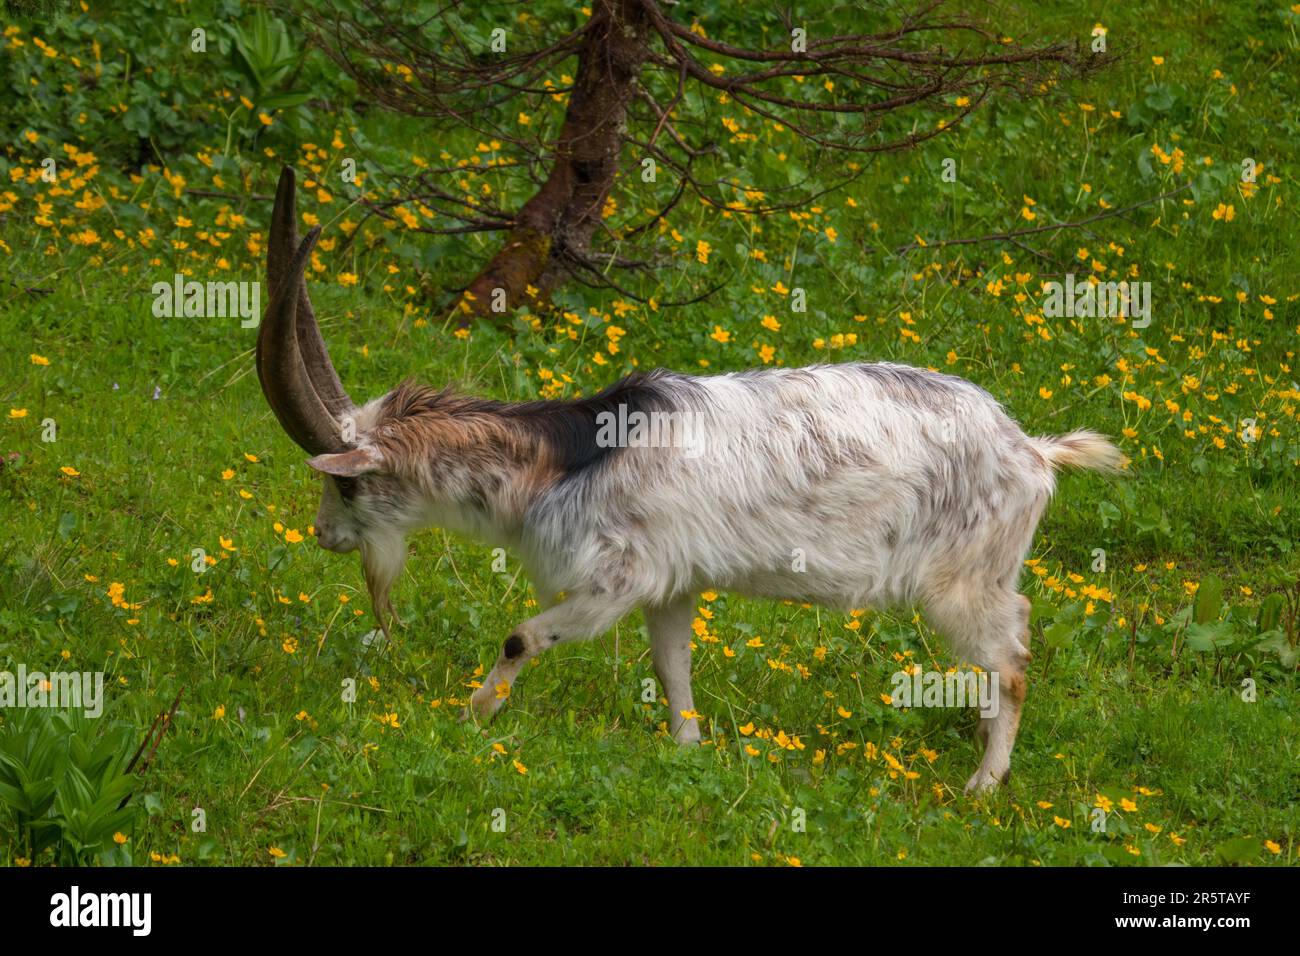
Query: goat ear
{"points": [[348, 464]]}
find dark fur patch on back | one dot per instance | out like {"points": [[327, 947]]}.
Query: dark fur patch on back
{"points": [[563, 432], [571, 426]]}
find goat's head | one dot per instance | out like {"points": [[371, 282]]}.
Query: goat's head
{"points": [[361, 502]]}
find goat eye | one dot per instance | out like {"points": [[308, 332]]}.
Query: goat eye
{"points": [[347, 487]]}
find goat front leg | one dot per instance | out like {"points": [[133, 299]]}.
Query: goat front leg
{"points": [[578, 618], [670, 647]]}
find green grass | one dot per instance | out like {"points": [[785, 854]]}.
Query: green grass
{"points": [[1125, 701]]}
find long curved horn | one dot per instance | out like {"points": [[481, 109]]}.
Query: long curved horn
{"points": [[280, 249], [293, 365]]}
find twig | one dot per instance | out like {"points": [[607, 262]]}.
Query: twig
{"points": [[213, 194], [1035, 230], [159, 727], [30, 290], [164, 720]]}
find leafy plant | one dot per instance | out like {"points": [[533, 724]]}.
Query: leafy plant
{"points": [[264, 56], [65, 782]]}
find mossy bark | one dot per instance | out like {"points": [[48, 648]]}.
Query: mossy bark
{"points": [[560, 219]]}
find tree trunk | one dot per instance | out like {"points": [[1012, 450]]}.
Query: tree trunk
{"points": [[563, 214]]}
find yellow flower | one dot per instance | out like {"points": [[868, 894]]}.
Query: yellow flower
{"points": [[293, 536], [70, 471], [1061, 822], [17, 413], [720, 334], [227, 475], [220, 712], [251, 458], [39, 359], [520, 767], [119, 838], [1272, 847], [1158, 60], [276, 852]]}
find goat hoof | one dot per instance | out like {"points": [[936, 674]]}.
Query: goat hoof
{"points": [[482, 706], [982, 782]]}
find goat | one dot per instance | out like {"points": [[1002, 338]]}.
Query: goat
{"points": [[847, 485]]}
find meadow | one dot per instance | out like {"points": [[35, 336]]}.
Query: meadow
{"points": [[158, 522]]}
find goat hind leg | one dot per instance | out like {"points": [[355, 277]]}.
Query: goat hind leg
{"points": [[990, 632], [998, 730], [1006, 656], [1022, 630]]}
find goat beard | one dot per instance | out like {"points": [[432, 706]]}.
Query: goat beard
{"points": [[381, 563]]}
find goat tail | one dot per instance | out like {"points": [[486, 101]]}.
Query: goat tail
{"points": [[1081, 449]]}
